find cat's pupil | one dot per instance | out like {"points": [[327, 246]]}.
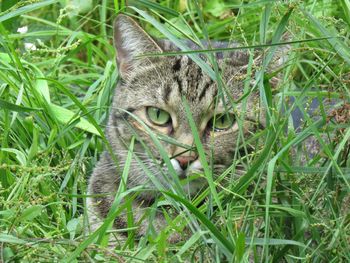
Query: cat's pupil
{"points": [[158, 113]]}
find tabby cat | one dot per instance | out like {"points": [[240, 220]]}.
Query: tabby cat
{"points": [[150, 99]]}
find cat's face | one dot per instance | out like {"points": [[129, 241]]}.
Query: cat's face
{"points": [[153, 90]]}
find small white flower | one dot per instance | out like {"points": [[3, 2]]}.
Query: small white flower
{"points": [[22, 30], [29, 46]]}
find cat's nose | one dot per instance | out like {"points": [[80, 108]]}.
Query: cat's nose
{"points": [[185, 161]]}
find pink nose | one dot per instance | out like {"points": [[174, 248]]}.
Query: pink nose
{"points": [[185, 161]]}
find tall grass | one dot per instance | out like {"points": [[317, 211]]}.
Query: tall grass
{"points": [[54, 100]]}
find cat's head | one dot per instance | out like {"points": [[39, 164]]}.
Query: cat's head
{"points": [[153, 90]]}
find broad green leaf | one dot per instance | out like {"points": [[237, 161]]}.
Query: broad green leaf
{"points": [[65, 116], [5, 238], [7, 213], [5, 57], [73, 226], [41, 84], [8, 254], [20, 156], [30, 213], [35, 143]]}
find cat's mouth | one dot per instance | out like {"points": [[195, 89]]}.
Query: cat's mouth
{"points": [[184, 171], [190, 175]]}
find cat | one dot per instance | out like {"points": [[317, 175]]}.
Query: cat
{"points": [[150, 96]]}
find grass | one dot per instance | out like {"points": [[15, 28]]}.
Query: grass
{"points": [[54, 102]]}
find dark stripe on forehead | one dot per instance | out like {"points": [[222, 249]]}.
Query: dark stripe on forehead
{"points": [[177, 65], [122, 82], [215, 93], [204, 90], [166, 93], [132, 82], [179, 84], [198, 78]]}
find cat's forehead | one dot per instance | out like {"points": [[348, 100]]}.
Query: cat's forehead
{"points": [[193, 83], [189, 79]]}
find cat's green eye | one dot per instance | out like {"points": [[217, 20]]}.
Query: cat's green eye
{"points": [[158, 116], [222, 121]]}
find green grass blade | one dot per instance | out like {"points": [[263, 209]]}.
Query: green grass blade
{"points": [[230, 49], [211, 227], [202, 156], [206, 68], [339, 46], [26, 9], [16, 108], [5, 238], [155, 6]]}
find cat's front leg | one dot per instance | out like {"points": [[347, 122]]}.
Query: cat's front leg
{"points": [[147, 223]]}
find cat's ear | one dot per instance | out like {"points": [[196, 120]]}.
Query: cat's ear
{"points": [[131, 41], [240, 58]]}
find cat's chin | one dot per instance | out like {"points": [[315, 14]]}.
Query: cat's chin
{"points": [[191, 186], [194, 187]]}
